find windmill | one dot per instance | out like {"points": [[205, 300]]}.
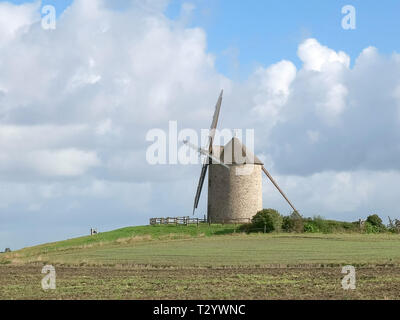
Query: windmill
{"points": [[231, 196]]}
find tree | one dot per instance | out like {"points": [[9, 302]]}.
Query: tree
{"points": [[267, 219], [293, 223], [376, 222]]}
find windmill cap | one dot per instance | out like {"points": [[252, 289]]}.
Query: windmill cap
{"points": [[234, 152]]}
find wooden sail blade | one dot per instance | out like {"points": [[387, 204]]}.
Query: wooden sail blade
{"points": [[200, 185], [213, 127], [279, 189], [215, 120]]}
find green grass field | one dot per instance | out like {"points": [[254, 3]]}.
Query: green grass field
{"points": [[206, 262], [212, 246]]}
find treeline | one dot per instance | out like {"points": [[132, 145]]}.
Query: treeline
{"points": [[270, 220]]}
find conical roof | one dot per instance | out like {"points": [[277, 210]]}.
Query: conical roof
{"points": [[234, 152]]}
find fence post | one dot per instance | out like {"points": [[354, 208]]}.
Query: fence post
{"points": [[265, 228]]}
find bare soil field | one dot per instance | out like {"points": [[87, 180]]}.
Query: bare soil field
{"points": [[130, 282]]}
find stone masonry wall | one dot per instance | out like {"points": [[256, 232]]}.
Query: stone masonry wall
{"points": [[233, 196]]}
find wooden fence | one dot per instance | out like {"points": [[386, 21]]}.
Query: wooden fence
{"points": [[188, 220], [177, 221]]}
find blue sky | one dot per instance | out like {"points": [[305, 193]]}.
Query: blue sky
{"points": [[73, 124], [268, 31], [244, 35]]}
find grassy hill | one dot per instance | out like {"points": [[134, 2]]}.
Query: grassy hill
{"points": [[134, 234], [119, 237], [209, 246]]}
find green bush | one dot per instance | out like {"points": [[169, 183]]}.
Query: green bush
{"points": [[319, 224], [287, 224], [273, 221], [268, 220], [245, 228], [322, 224], [332, 226], [293, 223], [376, 222], [310, 227], [370, 228]]}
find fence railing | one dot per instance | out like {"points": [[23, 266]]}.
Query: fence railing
{"points": [[188, 220], [177, 221], [235, 223]]}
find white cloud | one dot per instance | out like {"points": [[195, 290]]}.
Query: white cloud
{"points": [[29, 137], [335, 102], [354, 110], [64, 163], [16, 19], [274, 88], [342, 195], [396, 95], [319, 58]]}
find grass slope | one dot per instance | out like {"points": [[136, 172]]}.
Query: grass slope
{"points": [[117, 237], [212, 246]]}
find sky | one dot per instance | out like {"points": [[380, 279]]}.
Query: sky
{"points": [[77, 102]]}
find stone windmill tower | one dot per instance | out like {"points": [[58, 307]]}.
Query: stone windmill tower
{"points": [[234, 179]]}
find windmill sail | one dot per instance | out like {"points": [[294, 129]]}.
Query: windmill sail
{"points": [[210, 144], [206, 153], [279, 189], [215, 121], [200, 185]]}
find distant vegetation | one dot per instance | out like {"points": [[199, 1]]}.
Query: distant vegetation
{"points": [[270, 220]]}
